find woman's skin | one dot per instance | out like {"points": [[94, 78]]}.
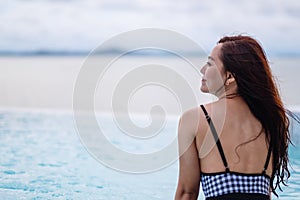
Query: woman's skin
{"points": [[235, 125]]}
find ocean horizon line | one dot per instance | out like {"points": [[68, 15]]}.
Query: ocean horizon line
{"points": [[155, 53], [113, 51]]}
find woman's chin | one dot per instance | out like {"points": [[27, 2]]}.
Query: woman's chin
{"points": [[204, 89]]}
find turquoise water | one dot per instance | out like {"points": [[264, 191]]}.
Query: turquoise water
{"points": [[42, 158]]}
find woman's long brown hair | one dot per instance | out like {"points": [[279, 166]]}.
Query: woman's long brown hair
{"points": [[244, 57]]}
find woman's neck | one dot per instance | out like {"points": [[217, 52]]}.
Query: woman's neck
{"points": [[227, 92]]}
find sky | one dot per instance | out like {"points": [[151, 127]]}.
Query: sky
{"points": [[82, 25]]}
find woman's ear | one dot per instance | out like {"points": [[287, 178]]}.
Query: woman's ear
{"points": [[230, 78]]}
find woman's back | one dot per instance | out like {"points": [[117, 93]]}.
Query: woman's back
{"points": [[241, 136]]}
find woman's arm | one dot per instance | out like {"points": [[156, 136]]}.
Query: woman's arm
{"points": [[189, 165]]}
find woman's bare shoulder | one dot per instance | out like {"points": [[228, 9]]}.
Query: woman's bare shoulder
{"points": [[194, 119], [196, 112]]}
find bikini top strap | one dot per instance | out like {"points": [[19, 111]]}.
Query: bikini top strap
{"points": [[218, 142], [268, 158]]}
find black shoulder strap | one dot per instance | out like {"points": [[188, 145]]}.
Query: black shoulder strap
{"points": [[214, 132], [268, 158]]}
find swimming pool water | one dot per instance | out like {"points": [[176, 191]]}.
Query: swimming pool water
{"points": [[41, 157]]}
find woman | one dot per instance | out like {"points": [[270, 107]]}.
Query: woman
{"points": [[248, 124]]}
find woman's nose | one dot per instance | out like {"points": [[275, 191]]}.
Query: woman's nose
{"points": [[203, 69]]}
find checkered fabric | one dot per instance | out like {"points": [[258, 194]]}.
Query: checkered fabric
{"points": [[216, 184]]}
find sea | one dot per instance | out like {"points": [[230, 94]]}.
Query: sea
{"points": [[44, 156]]}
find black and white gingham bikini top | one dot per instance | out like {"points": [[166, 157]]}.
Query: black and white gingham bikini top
{"points": [[230, 185]]}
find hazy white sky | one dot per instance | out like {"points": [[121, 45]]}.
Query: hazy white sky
{"points": [[74, 25]]}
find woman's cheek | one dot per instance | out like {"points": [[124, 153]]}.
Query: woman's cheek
{"points": [[214, 80]]}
